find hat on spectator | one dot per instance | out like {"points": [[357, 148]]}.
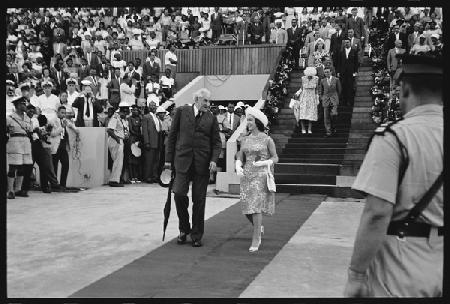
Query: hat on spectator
{"points": [[86, 82], [435, 36], [310, 71], [10, 82], [240, 104], [25, 86], [257, 114], [278, 20], [70, 81], [47, 84], [278, 15], [167, 104], [18, 99], [222, 108], [421, 36], [160, 109]]}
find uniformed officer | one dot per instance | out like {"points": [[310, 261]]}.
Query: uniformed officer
{"points": [[397, 254]]}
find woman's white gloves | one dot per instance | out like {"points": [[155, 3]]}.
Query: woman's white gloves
{"points": [[261, 163], [239, 170]]}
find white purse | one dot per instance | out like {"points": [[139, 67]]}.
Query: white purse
{"points": [[271, 181]]}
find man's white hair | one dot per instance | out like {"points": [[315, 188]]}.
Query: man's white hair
{"points": [[202, 93]]}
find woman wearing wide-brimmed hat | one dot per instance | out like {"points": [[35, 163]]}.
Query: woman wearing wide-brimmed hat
{"points": [[305, 108], [257, 155]]}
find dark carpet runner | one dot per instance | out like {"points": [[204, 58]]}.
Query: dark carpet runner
{"points": [[223, 267]]}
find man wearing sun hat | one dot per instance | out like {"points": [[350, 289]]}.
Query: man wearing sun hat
{"points": [[48, 103], [398, 250]]}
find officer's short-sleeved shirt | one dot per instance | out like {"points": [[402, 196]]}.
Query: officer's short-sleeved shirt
{"points": [[117, 125], [421, 132]]}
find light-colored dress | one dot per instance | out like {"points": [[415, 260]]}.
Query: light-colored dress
{"points": [[306, 107], [254, 194]]}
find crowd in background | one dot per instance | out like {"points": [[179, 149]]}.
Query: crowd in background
{"points": [[68, 62]]}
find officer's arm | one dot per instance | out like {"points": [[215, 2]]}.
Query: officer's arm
{"points": [[372, 229]]}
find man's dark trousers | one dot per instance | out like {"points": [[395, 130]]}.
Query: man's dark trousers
{"points": [[63, 156], [199, 188]]}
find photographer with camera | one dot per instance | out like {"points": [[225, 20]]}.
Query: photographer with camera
{"points": [[18, 146]]}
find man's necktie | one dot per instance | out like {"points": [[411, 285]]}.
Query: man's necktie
{"points": [[88, 110], [229, 116]]}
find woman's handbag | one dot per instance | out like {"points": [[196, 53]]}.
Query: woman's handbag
{"points": [[270, 181]]}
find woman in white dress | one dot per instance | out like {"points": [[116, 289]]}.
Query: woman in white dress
{"points": [[305, 108], [304, 16]]}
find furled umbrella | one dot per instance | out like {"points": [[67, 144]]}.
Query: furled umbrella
{"points": [[168, 204]]}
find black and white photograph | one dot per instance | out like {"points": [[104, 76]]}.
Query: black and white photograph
{"points": [[224, 152]]}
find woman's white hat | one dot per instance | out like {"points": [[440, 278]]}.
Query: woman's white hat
{"points": [[257, 114], [319, 40], [310, 71]]}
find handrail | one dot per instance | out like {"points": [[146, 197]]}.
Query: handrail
{"points": [[272, 74]]}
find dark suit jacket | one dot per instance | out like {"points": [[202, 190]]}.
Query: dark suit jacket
{"points": [[61, 84], [295, 38], [114, 91], [149, 133], [391, 40], [346, 67], [79, 104], [148, 70], [193, 141], [357, 26], [83, 72], [216, 23], [95, 61], [336, 44], [256, 29]]}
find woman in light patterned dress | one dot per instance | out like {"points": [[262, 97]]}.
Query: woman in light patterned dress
{"points": [[257, 153], [309, 99]]}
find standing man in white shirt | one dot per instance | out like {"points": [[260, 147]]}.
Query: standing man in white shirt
{"points": [[171, 60], [48, 103]]}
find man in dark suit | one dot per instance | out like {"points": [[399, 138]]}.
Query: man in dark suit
{"points": [[59, 76], [151, 68], [88, 107], [216, 24], [256, 31], [295, 40], [357, 25], [83, 70], [347, 70], [151, 130], [355, 44], [92, 59], [336, 43], [396, 35], [193, 148], [114, 89]]}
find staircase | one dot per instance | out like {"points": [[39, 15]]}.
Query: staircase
{"points": [[314, 164]]}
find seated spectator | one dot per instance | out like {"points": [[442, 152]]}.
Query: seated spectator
{"points": [[136, 43], [171, 60], [436, 45], [167, 83], [152, 42], [421, 47]]}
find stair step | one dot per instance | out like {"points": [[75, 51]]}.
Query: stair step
{"points": [[289, 150], [287, 178], [290, 145], [307, 168], [316, 140], [315, 156], [329, 190], [319, 135], [310, 160]]}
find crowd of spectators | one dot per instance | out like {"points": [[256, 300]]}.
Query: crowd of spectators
{"points": [[73, 57]]}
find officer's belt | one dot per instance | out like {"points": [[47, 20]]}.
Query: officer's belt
{"points": [[18, 135], [403, 229]]}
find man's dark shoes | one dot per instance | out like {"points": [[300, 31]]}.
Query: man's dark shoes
{"points": [[47, 190], [22, 193], [196, 243], [181, 239], [115, 184], [11, 195]]}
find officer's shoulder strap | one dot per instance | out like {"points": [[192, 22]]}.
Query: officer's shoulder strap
{"points": [[387, 128]]}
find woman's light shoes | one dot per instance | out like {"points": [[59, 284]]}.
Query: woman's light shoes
{"points": [[255, 248], [309, 132], [303, 131]]}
